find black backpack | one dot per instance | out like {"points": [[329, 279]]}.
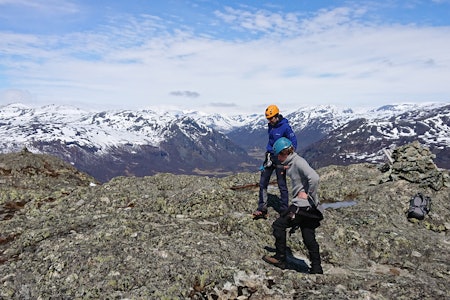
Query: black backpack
{"points": [[419, 206]]}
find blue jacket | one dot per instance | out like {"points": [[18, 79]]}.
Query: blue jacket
{"points": [[280, 129]]}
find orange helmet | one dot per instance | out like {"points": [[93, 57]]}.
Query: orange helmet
{"points": [[272, 111]]}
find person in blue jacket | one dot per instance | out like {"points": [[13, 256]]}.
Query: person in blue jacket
{"points": [[278, 127]]}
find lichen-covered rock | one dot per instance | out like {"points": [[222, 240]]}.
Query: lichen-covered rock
{"points": [[414, 163], [192, 237]]}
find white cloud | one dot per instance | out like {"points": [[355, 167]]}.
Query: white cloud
{"points": [[49, 6], [259, 21], [15, 96], [333, 56]]}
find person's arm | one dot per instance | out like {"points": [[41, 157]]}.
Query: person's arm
{"points": [[312, 177], [290, 134], [270, 140]]}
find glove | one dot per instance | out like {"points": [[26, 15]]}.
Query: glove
{"points": [[268, 160], [290, 212]]}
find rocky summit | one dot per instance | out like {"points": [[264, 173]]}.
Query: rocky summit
{"points": [[65, 236]]}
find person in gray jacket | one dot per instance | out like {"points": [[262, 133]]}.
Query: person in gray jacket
{"points": [[305, 212]]}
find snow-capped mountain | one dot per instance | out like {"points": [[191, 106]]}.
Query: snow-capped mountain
{"points": [[70, 125], [111, 143], [364, 138], [313, 124], [310, 124], [143, 142], [223, 123]]}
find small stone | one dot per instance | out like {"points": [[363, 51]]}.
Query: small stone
{"points": [[416, 254]]}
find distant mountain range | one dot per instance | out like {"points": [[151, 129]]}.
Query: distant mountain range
{"points": [[145, 142]]}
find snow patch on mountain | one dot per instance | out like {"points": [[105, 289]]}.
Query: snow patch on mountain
{"points": [[21, 124]]}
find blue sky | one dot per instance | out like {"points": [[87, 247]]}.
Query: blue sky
{"points": [[223, 56]]}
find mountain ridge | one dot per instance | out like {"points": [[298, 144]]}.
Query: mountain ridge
{"points": [[145, 142]]}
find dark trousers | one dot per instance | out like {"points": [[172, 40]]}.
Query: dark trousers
{"points": [[282, 186], [308, 228]]}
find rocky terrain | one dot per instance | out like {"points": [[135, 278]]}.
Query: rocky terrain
{"points": [[65, 236]]}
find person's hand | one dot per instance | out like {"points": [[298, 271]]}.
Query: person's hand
{"points": [[302, 195]]}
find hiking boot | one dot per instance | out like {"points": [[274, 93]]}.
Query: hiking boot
{"points": [[316, 270], [316, 265], [260, 214], [276, 261]]}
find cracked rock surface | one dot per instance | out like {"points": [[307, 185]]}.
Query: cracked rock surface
{"points": [[64, 236]]}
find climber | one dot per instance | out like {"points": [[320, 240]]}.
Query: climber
{"points": [[278, 127], [305, 212]]}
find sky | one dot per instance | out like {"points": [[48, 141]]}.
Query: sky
{"points": [[223, 56]]}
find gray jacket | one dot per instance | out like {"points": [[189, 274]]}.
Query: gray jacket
{"points": [[303, 178]]}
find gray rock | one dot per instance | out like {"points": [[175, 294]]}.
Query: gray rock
{"points": [[414, 163], [64, 236]]}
